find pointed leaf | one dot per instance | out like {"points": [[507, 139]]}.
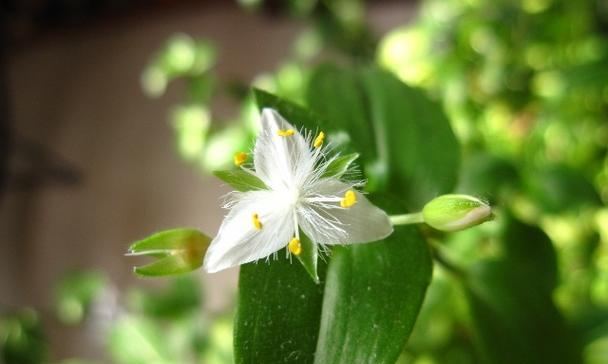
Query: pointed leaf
{"points": [[240, 180], [309, 257], [340, 165], [278, 313]]}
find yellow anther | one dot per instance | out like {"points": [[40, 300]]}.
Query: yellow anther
{"points": [[350, 198], [256, 222], [240, 158], [286, 132], [319, 140], [294, 246]]}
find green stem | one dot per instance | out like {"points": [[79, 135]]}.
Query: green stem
{"points": [[407, 219]]}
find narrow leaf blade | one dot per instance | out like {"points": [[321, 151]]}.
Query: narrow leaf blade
{"points": [[339, 165], [240, 180]]}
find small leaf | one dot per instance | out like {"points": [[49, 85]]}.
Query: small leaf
{"points": [[240, 180], [309, 257], [339, 165], [179, 251]]}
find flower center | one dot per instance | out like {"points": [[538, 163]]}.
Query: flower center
{"points": [[292, 196]]}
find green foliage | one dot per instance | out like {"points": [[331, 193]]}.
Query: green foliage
{"points": [[505, 101], [511, 302], [74, 294], [369, 298], [22, 339]]}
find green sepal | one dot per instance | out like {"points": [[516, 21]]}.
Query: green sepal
{"points": [[339, 165], [308, 257], [178, 251], [240, 180]]}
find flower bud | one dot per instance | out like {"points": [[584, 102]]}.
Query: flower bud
{"points": [[456, 212], [177, 251]]}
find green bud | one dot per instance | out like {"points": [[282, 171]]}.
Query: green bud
{"points": [[456, 212], [178, 251]]}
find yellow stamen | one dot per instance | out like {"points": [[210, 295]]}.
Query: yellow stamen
{"points": [[350, 198], [240, 158], [294, 246], [256, 222], [286, 133], [319, 140]]}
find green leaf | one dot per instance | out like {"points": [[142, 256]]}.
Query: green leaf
{"points": [[340, 165], [309, 257], [487, 176], [295, 114], [373, 294], [135, 340], [179, 251], [415, 142], [278, 313], [336, 94], [559, 188], [240, 180], [511, 302]]}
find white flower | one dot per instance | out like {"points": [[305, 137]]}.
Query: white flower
{"points": [[298, 196]]}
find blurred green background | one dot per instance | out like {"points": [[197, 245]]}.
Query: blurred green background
{"points": [[525, 87]]}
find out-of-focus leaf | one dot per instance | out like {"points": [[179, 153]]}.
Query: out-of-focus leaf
{"points": [[179, 251], [22, 338], [414, 139], [486, 176], [559, 188], [135, 340], [181, 297], [240, 180], [373, 294], [512, 306], [278, 314], [75, 292], [340, 165]]}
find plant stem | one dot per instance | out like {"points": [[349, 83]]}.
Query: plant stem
{"points": [[407, 219]]}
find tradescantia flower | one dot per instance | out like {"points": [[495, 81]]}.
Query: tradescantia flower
{"points": [[300, 194]]}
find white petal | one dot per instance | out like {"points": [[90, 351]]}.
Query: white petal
{"points": [[328, 223], [238, 242], [282, 162]]}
